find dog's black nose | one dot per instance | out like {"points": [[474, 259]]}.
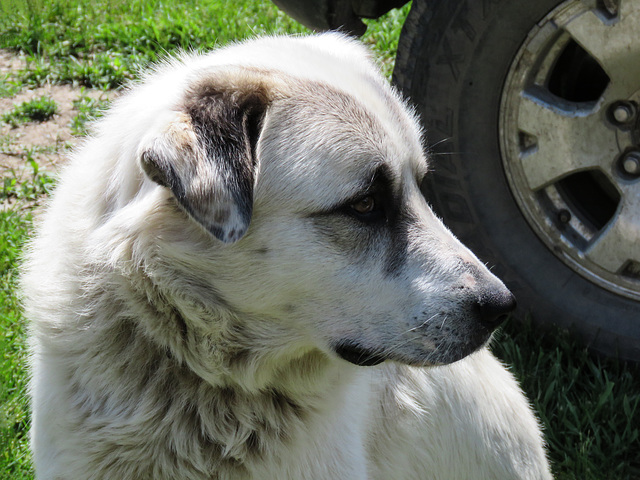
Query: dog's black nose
{"points": [[495, 307]]}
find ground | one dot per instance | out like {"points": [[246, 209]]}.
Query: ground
{"points": [[48, 143]]}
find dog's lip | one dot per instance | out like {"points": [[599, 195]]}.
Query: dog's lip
{"points": [[436, 352], [355, 353]]}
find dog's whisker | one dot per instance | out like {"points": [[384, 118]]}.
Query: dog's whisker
{"points": [[442, 140]]}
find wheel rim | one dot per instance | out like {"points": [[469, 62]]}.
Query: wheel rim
{"points": [[570, 139]]}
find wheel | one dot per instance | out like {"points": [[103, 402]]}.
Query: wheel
{"points": [[531, 111]]}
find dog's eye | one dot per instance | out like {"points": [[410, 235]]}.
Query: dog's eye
{"points": [[367, 209], [364, 206]]}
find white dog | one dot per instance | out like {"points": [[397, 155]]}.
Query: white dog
{"points": [[238, 277]]}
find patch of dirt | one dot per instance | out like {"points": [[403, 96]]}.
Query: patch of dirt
{"points": [[49, 143], [10, 62]]}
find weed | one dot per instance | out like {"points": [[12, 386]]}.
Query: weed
{"points": [[38, 109], [26, 187], [9, 86], [88, 110]]}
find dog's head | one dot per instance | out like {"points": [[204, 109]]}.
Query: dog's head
{"points": [[302, 175]]}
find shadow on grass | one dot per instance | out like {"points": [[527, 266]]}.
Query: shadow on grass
{"points": [[589, 405]]}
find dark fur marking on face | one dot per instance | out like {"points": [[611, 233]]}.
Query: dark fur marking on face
{"points": [[398, 248], [385, 233]]}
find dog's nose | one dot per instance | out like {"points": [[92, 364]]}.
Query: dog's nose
{"points": [[495, 307]]}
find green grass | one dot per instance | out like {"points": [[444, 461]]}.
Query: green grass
{"points": [[88, 109], [14, 414], [103, 43], [25, 187], [382, 37], [38, 109], [8, 86], [590, 407]]}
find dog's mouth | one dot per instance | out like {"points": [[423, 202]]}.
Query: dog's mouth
{"points": [[354, 352], [358, 355]]}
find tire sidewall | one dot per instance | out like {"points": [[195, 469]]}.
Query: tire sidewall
{"points": [[452, 62]]}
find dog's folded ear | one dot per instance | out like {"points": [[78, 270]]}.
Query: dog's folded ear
{"points": [[207, 154]]}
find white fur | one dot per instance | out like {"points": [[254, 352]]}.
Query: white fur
{"points": [[160, 352]]}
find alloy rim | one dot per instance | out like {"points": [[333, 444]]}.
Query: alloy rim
{"points": [[570, 138]]}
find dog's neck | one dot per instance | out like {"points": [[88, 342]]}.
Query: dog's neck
{"points": [[238, 405], [230, 350]]}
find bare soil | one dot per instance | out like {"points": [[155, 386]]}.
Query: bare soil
{"points": [[49, 143]]}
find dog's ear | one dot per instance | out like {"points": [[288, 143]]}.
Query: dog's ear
{"points": [[207, 154]]}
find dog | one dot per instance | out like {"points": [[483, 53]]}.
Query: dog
{"points": [[238, 277]]}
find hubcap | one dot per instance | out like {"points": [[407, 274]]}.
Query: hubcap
{"points": [[570, 138]]}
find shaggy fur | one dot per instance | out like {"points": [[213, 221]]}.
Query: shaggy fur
{"points": [[238, 277]]}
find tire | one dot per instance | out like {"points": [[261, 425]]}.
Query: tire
{"points": [[460, 62]]}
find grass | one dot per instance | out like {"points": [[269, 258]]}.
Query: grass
{"points": [[103, 43], [39, 109], [590, 407], [88, 109], [21, 187], [8, 86], [14, 414]]}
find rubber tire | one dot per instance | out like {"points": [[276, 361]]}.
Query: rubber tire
{"points": [[453, 57]]}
